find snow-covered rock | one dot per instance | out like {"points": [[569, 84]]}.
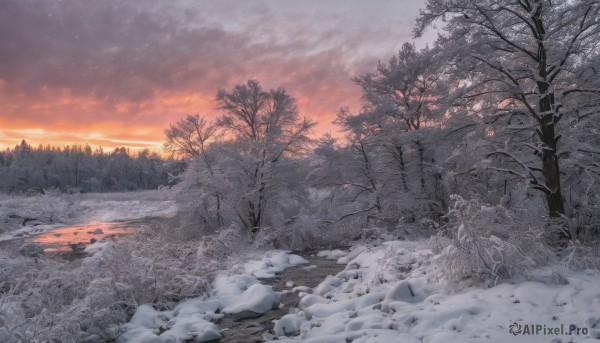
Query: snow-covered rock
{"points": [[288, 325], [257, 298], [149, 325]]}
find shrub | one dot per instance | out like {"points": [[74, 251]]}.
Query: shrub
{"points": [[484, 244]]}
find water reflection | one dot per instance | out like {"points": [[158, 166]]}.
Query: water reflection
{"points": [[71, 238]]}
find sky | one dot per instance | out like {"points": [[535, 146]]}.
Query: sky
{"points": [[116, 73]]}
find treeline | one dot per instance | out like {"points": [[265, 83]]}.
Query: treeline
{"points": [[76, 168]]}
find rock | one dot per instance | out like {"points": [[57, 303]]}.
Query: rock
{"points": [[77, 247], [98, 231], [93, 240], [245, 315], [253, 330], [31, 249]]}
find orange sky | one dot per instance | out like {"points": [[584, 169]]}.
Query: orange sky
{"points": [[126, 125], [114, 73]]}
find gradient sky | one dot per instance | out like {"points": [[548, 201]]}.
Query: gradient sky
{"points": [[116, 72]]}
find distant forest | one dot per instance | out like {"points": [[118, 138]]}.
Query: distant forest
{"points": [[76, 168]]}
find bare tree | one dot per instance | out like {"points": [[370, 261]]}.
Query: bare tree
{"points": [[189, 137]]}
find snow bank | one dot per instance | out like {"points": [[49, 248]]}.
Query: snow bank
{"points": [[388, 294], [238, 295]]}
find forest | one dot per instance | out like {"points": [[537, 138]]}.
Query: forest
{"points": [[461, 202], [28, 170]]}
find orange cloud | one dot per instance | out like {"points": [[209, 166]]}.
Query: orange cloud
{"points": [[113, 73]]}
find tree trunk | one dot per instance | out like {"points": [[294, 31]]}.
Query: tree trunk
{"points": [[421, 151], [551, 172], [402, 167], [219, 218], [548, 119], [550, 164]]}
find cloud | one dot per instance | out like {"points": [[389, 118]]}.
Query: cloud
{"points": [[96, 67]]}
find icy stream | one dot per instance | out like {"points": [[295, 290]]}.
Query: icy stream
{"points": [[309, 275], [69, 242]]}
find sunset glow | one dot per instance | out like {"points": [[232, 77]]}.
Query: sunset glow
{"points": [[115, 73]]}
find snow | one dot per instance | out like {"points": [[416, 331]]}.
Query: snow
{"points": [[233, 294], [239, 293], [274, 262], [257, 298], [388, 294], [113, 210], [26, 231], [147, 323], [97, 247], [288, 325], [331, 254], [54, 212]]}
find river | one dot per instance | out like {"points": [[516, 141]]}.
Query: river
{"points": [[69, 242]]}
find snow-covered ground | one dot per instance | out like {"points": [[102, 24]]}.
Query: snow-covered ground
{"points": [[26, 216], [389, 293]]}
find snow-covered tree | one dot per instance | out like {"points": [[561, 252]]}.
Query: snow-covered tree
{"points": [[78, 168], [246, 168], [390, 158], [268, 132], [519, 58]]}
